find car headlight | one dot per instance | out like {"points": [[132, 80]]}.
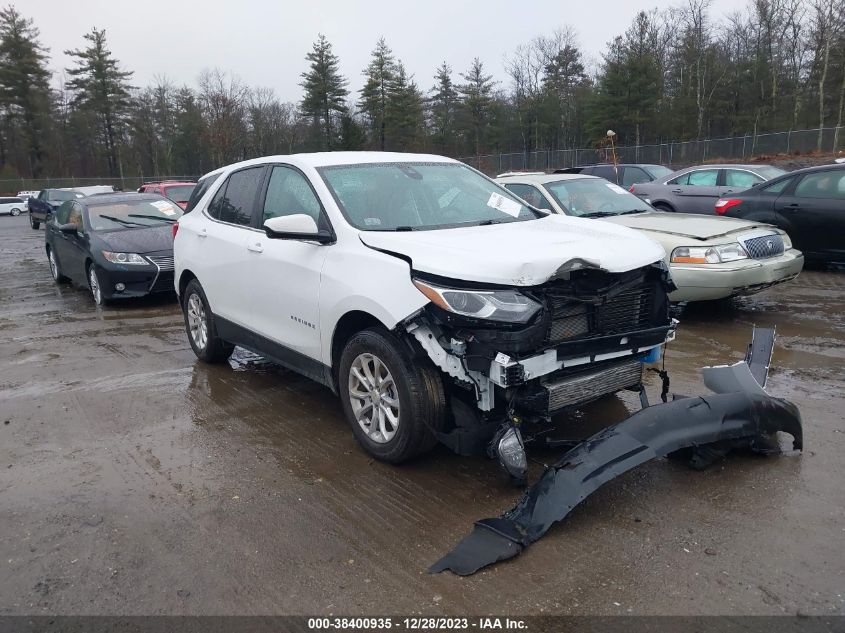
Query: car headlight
{"points": [[507, 306], [708, 254], [787, 242], [124, 258]]}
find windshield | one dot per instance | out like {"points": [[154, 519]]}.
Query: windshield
{"points": [[594, 197], [417, 196], [768, 172], [61, 196], [179, 193], [657, 171], [132, 214]]}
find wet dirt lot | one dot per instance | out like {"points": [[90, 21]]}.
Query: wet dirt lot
{"points": [[134, 480]]}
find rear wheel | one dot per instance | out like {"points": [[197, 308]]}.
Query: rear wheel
{"points": [[391, 399], [16, 211], [200, 326], [663, 207]]}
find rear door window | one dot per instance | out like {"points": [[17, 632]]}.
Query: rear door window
{"points": [[823, 184], [608, 172], [703, 178], [236, 200]]}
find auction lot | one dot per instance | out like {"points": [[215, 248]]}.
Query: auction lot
{"points": [[135, 480]]}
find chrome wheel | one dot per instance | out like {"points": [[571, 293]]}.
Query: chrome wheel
{"points": [[197, 321], [16, 211], [54, 267], [94, 284], [374, 398]]}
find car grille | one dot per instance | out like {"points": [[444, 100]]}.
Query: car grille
{"points": [[764, 246], [163, 283], [628, 311], [164, 262]]}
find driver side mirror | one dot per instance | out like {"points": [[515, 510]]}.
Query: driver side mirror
{"points": [[69, 229], [298, 226]]}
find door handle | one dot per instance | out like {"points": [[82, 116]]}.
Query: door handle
{"points": [[202, 233], [255, 247], [677, 190]]}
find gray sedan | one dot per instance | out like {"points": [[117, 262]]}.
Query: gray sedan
{"points": [[696, 189]]}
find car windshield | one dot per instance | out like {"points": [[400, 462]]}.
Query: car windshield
{"points": [[768, 172], [132, 214], [179, 193], [61, 196], [594, 197], [657, 171], [419, 196]]}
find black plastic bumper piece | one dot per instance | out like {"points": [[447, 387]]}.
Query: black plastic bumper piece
{"points": [[744, 420]]}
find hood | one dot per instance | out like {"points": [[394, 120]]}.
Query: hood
{"points": [[519, 253], [699, 227], [141, 240]]}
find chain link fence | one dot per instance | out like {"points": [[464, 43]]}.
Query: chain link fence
{"points": [[674, 154]]}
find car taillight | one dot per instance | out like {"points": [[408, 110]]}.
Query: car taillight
{"points": [[175, 229], [723, 204], [631, 188]]}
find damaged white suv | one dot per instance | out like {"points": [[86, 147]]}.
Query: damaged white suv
{"points": [[435, 303]]}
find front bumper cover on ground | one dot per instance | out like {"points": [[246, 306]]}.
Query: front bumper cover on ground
{"points": [[723, 420]]}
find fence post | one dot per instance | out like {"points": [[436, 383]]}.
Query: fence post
{"points": [[788, 140]]}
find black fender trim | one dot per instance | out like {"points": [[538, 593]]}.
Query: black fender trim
{"points": [[741, 419]]}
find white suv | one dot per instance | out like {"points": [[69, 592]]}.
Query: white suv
{"points": [[434, 302]]}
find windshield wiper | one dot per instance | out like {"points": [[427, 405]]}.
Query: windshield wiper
{"points": [[406, 228], [634, 211], [598, 214], [151, 217], [489, 222], [121, 221]]}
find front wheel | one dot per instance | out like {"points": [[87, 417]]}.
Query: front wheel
{"points": [[95, 286], [200, 326], [33, 223], [393, 400], [58, 277]]}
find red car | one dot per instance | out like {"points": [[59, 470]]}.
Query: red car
{"points": [[179, 192]]}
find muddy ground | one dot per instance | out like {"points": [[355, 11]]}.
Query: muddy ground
{"points": [[134, 480]]}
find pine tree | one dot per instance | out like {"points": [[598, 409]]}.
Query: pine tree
{"points": [[404, 110], [325, 88], [476, 100], [24, 91], [441, 106], [100, 87], [380, 72]]}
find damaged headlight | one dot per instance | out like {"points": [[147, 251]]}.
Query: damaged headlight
{"points": [[708, 254], [507, 306]]}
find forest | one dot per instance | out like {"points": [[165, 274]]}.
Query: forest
{"points": [[677, 74]]}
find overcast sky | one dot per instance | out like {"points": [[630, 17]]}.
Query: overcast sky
{"points": [[264, 42]]}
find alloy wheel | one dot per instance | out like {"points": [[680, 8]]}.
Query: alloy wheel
{"points": [[374, 398], [197, 321], [94, 284], [54, 266]]}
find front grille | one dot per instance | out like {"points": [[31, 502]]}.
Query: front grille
{"points": [[164, 262], [580, 385], [628, 311], [764, 246]]}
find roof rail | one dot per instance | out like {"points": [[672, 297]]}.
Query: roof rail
{"points": [[521, 173]]}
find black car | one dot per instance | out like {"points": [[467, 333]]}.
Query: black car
{"points": [[42, 208], [624, 174], [117, 244], [809, 204]]}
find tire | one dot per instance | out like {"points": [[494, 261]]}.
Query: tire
{"points": [[200, 327], [662, 206], [390, 432], [95, 287], [15, 212], [55, 271], [33, 223]]}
